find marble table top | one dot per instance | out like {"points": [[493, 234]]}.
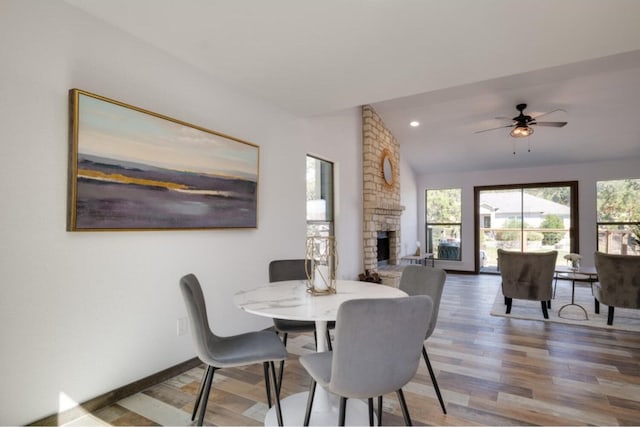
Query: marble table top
{"points": [[290, 299]]}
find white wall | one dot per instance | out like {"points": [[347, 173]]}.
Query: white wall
{"points": [[409, 196], [586, 174], [329, 138], [84, 313]]}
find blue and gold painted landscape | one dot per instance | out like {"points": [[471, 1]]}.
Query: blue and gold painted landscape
{"points": [[140, 171]]}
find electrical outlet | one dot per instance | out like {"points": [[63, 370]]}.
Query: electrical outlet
{"points": [[183, 326]]}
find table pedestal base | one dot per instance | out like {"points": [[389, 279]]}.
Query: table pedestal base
{"points": [[294, 407], [573, 304]]}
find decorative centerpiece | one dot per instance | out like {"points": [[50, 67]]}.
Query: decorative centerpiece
{"points": [[573, 260], [321, 265]]}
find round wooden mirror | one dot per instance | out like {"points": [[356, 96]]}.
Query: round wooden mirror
{"points": [[387, 167]]}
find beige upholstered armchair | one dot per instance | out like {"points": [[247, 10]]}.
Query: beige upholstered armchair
{"points": [[527, 275], [619, 282]]}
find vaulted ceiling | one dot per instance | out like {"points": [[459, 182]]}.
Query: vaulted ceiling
{"points": [[452, 65]]}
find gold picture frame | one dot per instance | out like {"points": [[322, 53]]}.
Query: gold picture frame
{"points": [[132, 169]]}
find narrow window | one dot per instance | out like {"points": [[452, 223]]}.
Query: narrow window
{"points": [[319, 197]]}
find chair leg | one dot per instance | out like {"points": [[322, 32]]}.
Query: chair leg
{"points": [[207, 389], [508, 301], [267, 386], [610, 316], [555, 284], [277, 393], [343, 411], [403, 405], [379, 410], [433, 378], [596, 304], [545, 313], [307, 413], [285, 335], [195, 406], [370, 404], [329, 346]]}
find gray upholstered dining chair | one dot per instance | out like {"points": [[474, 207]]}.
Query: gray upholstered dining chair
{"points": [[293, 269], [419, 280], [527, 275], [377, 349], [225, 352], [618, 282]]}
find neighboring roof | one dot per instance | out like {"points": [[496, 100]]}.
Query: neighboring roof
{"points": [[505, 203]]}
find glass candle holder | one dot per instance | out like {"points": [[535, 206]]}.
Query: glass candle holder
{"points": [[321, 265]]}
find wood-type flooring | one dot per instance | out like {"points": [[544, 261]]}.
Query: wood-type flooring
{"points": [[491, 371]]}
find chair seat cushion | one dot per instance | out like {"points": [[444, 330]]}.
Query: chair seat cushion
{"points": [[318, 365], [243, 349]]}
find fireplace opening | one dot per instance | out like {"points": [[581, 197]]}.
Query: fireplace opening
{"points": [[383, 248]]}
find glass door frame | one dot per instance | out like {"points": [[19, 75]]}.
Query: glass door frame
{"points": [[574, 229]]}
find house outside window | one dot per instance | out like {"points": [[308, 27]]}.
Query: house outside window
{"points": [[444, 223], [618, 213], [319, 197]]}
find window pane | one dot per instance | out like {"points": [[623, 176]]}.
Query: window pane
{"points": [[444, 205], [316, 228], [502, 209], [447, 243], [547, 219], [618, 201], [619, 239]]}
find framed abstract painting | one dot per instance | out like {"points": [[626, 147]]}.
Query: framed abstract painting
{"points": [[132, 169]]}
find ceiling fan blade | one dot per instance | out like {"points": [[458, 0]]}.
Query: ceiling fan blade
{"points": [[503, 118], [499, 127], [550, 124], [548, 112]]}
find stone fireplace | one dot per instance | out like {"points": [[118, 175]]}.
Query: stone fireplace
{"points": [[381, 194]]}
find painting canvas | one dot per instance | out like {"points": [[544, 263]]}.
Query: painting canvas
{"points": [[131, 169]]}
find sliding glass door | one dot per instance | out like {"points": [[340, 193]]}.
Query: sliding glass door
{"points": [[525, 218]]}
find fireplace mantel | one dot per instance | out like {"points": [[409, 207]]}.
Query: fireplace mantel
{"points": [[391, 210]]}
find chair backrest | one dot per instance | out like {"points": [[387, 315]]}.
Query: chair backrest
{"points": [[287, 269], [527, 275], [197, 312], [619, 277], [378, 343], [418, 280]]}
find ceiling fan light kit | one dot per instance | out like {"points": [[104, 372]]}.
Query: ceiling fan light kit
{"points": [[521, 131]]}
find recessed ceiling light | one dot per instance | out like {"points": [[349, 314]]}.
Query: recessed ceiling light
{"points": [[414, 124]]}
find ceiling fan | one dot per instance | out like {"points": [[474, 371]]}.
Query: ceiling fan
{"points": [[523, 124]]}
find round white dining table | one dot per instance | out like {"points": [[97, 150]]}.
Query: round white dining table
{"points": [[290, 300]]}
